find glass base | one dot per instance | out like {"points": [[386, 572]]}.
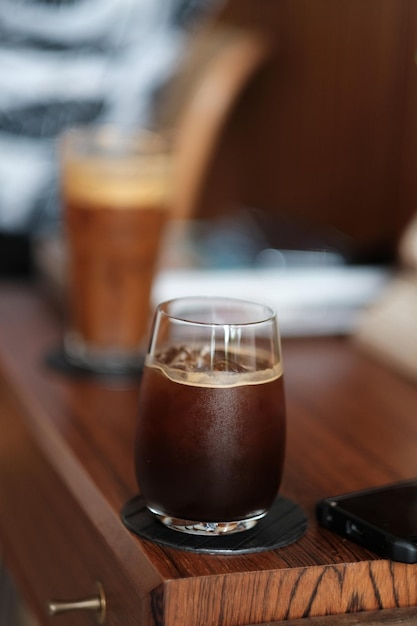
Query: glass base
{"points": [[193, 527], [100, 360]]}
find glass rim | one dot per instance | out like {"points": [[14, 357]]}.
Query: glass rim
{"points": [[108, 141], [270, 313]]}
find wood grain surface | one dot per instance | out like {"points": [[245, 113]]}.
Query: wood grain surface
{"points": [[66, 469]]}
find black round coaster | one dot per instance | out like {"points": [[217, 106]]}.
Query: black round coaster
{"points": [[284, 524], [57, 360]]}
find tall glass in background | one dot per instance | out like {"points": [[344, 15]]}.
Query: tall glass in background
{"points": [[210, 440], [115, 190]]}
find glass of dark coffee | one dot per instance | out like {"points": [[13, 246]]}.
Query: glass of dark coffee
{"points": [[210, 442]]}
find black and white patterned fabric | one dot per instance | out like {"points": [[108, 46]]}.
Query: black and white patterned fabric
{"points": [[71, 62]]}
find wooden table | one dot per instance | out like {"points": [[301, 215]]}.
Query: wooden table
{"points": [[66, 471]]}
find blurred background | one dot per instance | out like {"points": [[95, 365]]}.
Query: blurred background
{"points": [[65, 63], [302, 112], [295, 121], [295, 140]]}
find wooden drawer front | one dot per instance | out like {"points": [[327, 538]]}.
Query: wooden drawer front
{"points": [[52, 549]]}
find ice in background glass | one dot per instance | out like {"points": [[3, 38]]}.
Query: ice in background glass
{"points": [[115, 191], [210, 441]]}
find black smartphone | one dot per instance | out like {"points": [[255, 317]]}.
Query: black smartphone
{"points": [[382, 519]]}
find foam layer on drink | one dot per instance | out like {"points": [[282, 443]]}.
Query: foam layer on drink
{"points": [[116, 184], [199, 369]]}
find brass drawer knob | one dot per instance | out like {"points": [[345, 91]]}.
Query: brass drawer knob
{"points": [[96, 603]]}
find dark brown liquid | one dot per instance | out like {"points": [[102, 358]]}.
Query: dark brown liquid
{"points": [[112, 258], [209, 453]]}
